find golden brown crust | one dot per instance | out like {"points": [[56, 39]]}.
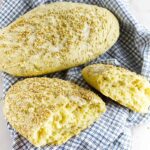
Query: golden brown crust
{"points": [[55, 37], [50, 111], [121, 85]]}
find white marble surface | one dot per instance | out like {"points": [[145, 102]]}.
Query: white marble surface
{"points": [[141, 10], [141, 134]]}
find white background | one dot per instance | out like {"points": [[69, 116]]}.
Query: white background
{"points": [[141, 134]]}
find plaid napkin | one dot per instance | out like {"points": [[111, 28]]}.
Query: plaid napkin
{"points": [[112, 130]]}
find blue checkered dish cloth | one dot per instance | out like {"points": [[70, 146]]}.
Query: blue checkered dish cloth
{"points": [[132, 50]]}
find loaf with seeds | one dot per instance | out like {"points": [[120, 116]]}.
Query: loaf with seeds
{"points": [[121, 85], [51, 111], [56, 36]]}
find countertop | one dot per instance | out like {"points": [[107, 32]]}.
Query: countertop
{"points": [[141, 134]]}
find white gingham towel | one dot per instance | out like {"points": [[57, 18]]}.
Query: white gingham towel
{"points": [[132, 50]]}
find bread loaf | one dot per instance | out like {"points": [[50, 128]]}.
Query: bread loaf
{"points": [[51, 111], [121, 85], [56, 36]]}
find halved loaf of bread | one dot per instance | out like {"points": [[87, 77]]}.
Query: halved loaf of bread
{"points": [[51, 111], [121, 85]]}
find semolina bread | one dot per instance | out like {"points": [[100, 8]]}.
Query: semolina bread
{"points": [[56, 36], [121, 85], [51, 111]]}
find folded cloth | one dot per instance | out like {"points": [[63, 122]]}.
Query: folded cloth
{"points": [[112, 130]]}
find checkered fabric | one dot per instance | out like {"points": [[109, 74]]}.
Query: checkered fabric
{"points": [[132, 50]]}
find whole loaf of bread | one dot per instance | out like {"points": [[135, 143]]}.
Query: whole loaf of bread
{"points": [[56, 36]]}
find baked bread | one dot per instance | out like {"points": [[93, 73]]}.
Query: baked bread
{"points": [[56, 36], [121, 85], [51, 111]]}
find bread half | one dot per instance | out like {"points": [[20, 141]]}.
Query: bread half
{"points": [[121, 85], [51, 111]]}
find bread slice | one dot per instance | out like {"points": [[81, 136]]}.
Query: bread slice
{"points": [[56, 36], [51, 111], [121, 85]]}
